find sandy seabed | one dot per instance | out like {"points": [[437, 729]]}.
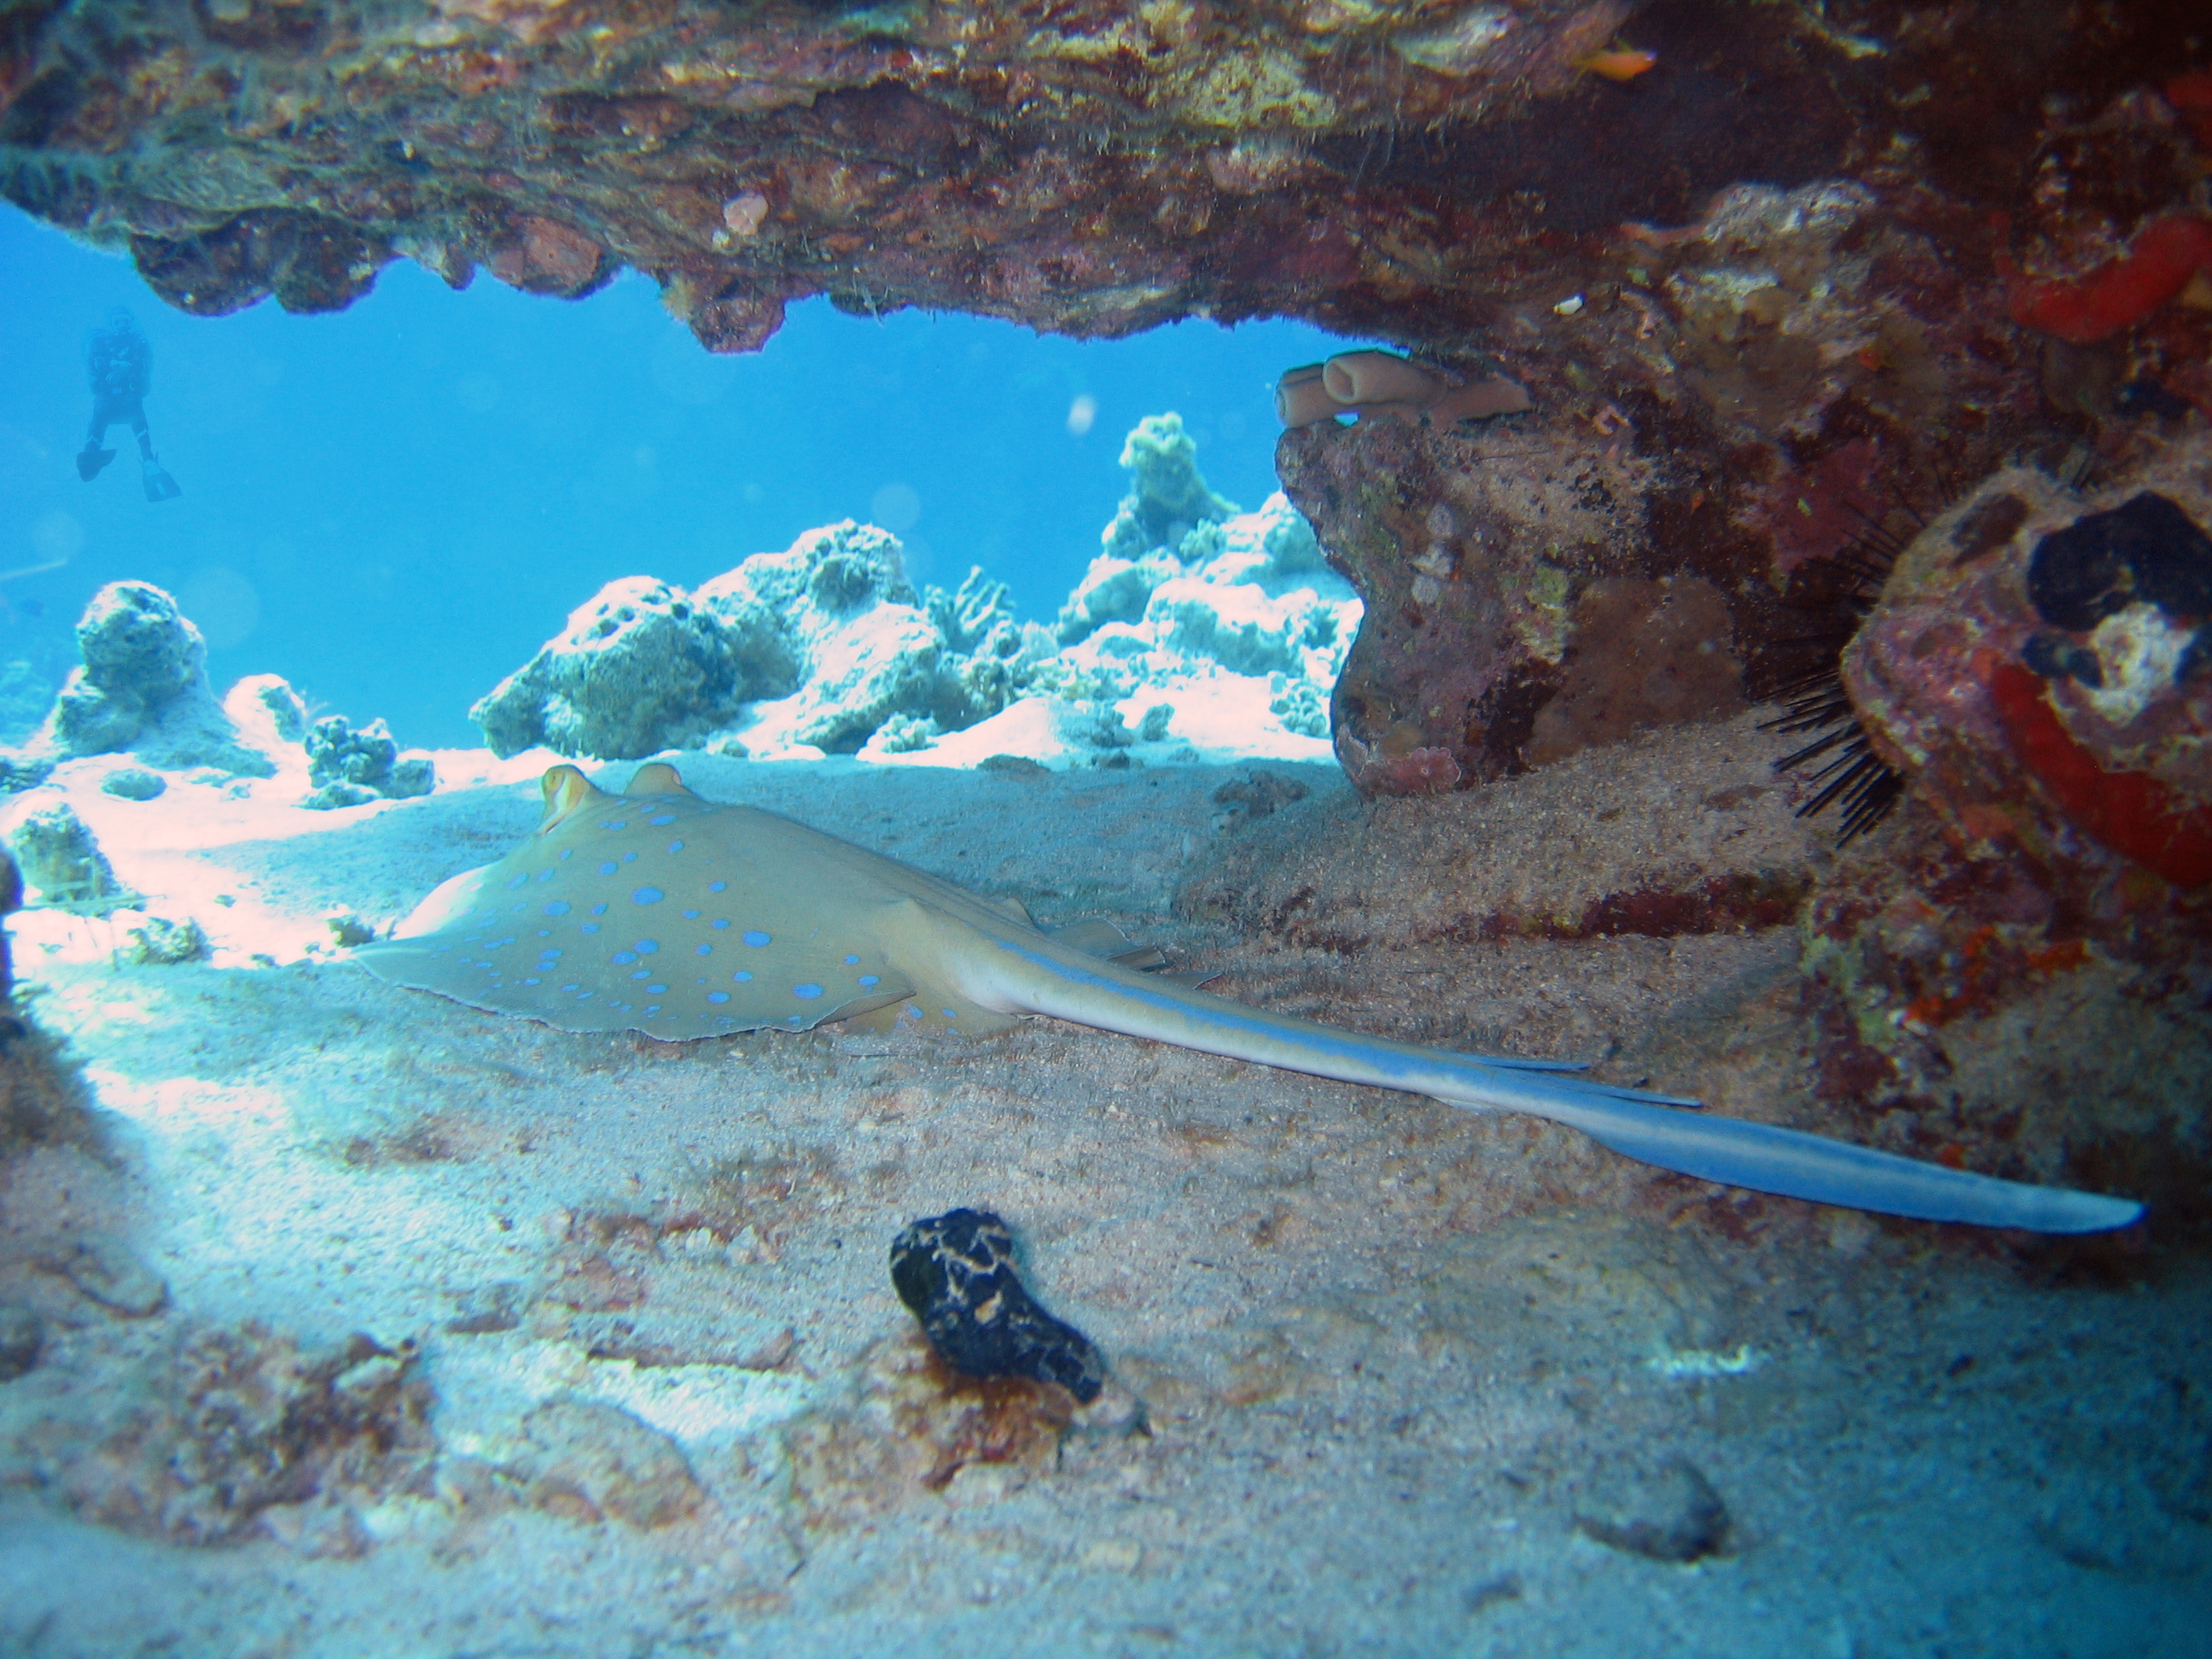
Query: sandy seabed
{"points": [[372, 1325]]}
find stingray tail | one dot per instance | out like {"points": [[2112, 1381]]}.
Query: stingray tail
{"points": [[1794, 1164]]}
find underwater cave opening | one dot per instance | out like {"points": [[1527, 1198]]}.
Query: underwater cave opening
{"points": [[393, 505]]}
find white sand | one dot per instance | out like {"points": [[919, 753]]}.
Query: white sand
{"points": [[1388, 1353]]}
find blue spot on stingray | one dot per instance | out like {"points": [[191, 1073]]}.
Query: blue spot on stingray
{"points": [[675, 845], [591, 927], [516, 883], [662, 817], [807, 993], [868, 979], [530, 981], [645, 947], [567, 853], [646, 896], [952, 1013], [716, 886], [643, 973], [755, 938], [690, 915], [630, 858], [598, 909], [702, 950], [741, 977], [607, 869], [548, 954], [655, 1009], [718, 996], [545, 875], [545, 933], [624, 824], [558, 908], [721, 921], [852, 962], [658, 990], [624, 958], [912, 1012]]}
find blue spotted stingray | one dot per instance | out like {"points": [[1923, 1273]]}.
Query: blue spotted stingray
{"points": [[657, 911]]}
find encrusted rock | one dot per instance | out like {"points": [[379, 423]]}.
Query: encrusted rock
{"points": [[1092, 174], [2050, 686], [588, 1461], [904, 1425], [2020, 957], [1514, 613], [234, 1423], [142, 688]]}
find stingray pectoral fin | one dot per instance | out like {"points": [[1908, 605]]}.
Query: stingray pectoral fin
{"points": [[446, 902], [1794, 1164]]}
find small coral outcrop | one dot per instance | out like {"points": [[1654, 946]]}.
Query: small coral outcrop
{"points": [[61, 862], [143, 689], [350, 768], [1169, 499]]}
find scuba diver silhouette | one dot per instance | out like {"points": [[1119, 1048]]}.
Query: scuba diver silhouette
{"points": [[120, 362]]}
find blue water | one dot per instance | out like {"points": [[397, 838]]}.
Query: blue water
{"points": [[394, 506]]}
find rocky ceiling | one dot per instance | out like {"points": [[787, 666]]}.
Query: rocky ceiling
{"points": [[1405, 168]]}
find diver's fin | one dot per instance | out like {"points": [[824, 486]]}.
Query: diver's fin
{"points": [[90, 459], [160, 486]]}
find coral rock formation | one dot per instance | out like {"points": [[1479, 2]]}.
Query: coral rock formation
{"points": [[827, 646], [829, 630], [2033, 670], [351, 768], [143, 690], [63, 863], [1394, 167]]}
